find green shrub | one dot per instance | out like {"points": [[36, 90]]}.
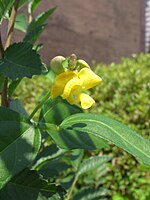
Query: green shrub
{"points": [[125, 91], [125, 96]]}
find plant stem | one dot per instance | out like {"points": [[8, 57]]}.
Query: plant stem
{"points": [[1, 47], [4, 100], [11, 23], [72, 187], [39, 105], [30, 18]]}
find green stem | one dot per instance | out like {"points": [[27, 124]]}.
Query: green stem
{"points": [[39, 105], [4, 100], [47, 126]]}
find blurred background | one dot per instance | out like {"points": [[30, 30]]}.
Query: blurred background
{"points": [[100, 30]]}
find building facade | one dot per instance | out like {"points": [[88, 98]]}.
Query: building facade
{"points": [[101, 30], [147, 25]]}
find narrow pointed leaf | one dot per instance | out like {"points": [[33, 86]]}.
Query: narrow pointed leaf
{"points": [[72, 139], [98, 126], [54, 112], [37, 26], [5, 5], [22, 3], [34, 5], [92, 163], [19, 144]]}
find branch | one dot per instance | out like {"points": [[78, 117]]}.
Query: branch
{"points": [[4, 100], [1, 47], [11, 23], [72, 187]]}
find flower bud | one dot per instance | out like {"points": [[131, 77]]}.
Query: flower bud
{"points": [[72, 61], [56, 64], [81, 64]]}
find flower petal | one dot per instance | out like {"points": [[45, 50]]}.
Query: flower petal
{"points": [[72, 85], [89, 78], [86, 101], [60, 82], [73, 99]]}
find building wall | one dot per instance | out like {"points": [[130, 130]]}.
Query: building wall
{"points": [[147, 25], [103, 30]]}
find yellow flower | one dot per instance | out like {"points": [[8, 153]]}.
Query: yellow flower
{"points": [[71, 84]]}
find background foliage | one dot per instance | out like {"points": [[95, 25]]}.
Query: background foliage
{"points": [[123, 95]]}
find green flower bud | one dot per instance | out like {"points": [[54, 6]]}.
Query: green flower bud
{"points": [[82, 64], [56, 64]]}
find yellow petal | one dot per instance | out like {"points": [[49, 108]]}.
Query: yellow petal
{"points": [[89, 78], [86, 101], [60, 82], [72, 85], [73, 99]]}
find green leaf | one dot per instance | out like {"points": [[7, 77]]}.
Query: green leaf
{"points": [[91, 164], [41, 19], [53, 168], [34, 4], [16, 105], [56, 110], [91, 194], [51, 76], [29, 185], [67, 180], [22, 3], [76, 157], [70, 139], [47, 155], [2, 78], [5, 5], [33, 35], [20, 60], [101, 171], [55, 197], [37, 26], [19, 144], [98, 126], [21, 22], [67, 138], [38, 47], [12, 86]]}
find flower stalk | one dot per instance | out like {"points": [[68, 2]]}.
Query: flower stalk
{"points": [[44, 99]]}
